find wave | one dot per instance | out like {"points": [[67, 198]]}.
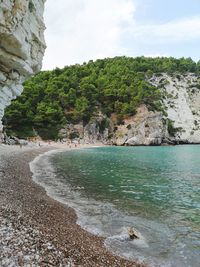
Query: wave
{"points": [[156, 242]]}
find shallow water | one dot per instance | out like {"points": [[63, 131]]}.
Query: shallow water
{"points": [[154, 189]]}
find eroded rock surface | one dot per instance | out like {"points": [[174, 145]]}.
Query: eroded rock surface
{"points": [[145, 128], [178, 122], [181, 102], [22, 46]]}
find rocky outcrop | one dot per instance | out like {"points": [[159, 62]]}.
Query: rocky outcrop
{"points": [[97, 130], [21, 46], [145, 128], [179, 122], [181, 103]]}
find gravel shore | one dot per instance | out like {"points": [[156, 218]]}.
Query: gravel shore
{"points": [[36, 230]]}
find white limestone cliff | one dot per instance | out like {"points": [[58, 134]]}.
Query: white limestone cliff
{"points": [[145, 128], [22, 46], [181, 106], [181, 99]]}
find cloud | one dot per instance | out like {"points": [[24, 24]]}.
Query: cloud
{"points": [[183, 30], [80, 30], [85, 29]]}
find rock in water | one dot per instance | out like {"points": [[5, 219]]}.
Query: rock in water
{"points": [[133, 233], [22, 46]]}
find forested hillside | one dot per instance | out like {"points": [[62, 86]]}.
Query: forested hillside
{"points": [[76, 93]]}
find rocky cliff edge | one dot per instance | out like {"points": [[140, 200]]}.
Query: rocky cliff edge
{"points": [[178, 123], [22, 46]]}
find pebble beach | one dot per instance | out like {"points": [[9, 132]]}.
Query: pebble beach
{"points": [[36, 230]]}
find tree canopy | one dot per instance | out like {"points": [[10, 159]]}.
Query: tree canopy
{"points": [[76, 93]]}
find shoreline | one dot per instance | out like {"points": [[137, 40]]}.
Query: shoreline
{"points": [[53, 238]]}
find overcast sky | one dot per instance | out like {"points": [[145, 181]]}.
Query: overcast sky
{"points": [[80, 30]]}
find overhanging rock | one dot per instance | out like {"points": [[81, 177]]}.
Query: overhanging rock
{"points": [[22, 46]]}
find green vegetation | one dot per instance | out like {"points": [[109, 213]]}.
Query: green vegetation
{"points": [[171, 129], [76, 93], [31, 6], [73, 135]]}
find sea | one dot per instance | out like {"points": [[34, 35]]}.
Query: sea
{"points": [[155, 190]]}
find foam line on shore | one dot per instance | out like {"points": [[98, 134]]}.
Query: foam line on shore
{"points": [[88, 211]]}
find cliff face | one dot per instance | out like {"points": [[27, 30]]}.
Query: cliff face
{"points": [[22, 46], [179, 123], [181, 101], [145, 128]]}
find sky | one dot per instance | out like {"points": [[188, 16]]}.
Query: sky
{"points": [[81, 30]]}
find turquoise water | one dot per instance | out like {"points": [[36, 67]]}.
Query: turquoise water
{"points": [[154, 189]]}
